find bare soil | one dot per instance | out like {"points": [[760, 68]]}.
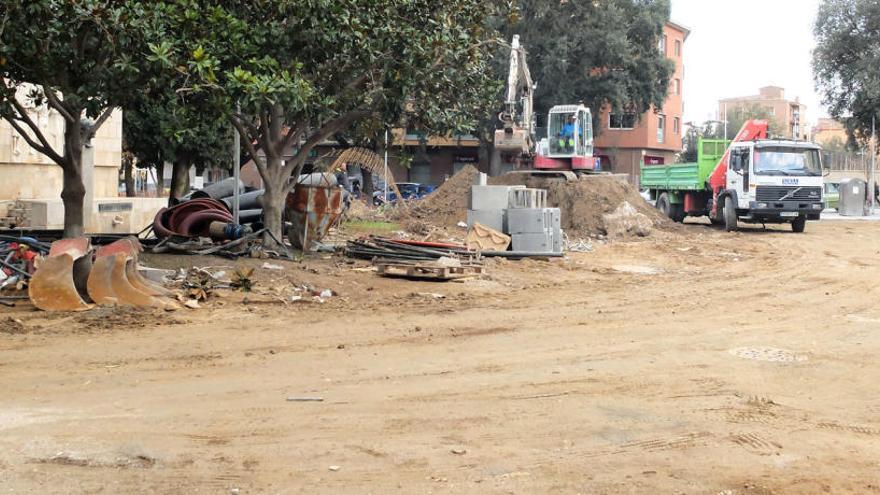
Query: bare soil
{"points": [[585, 204], [691, 362]]}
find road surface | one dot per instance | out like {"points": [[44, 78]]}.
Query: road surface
{"points": [[694, 362]]}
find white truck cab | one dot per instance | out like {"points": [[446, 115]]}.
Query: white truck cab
{"points": [[774, 181]]}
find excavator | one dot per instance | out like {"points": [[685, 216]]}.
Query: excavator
{"points": [[568, 148]]}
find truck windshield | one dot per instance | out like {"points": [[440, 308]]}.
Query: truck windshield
{"points": [[787, 161]]}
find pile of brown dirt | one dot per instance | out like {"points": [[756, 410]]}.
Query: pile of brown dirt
{"points": [[447, 206], [588, 203]]}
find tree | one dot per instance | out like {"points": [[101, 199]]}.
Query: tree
{"points": [[292, 73], [70, 57], [183, 129], [599, 53], [845, 63]]}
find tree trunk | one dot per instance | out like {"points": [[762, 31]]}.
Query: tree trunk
{"points": [[73, 191], [179, 180], [367, 185], [273, 208], [160, 180], [128, 166], [72, 195]]}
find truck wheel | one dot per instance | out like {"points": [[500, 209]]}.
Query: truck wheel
{"points": [[678, 213], [799, 224], [664, 205], [729, 214]]}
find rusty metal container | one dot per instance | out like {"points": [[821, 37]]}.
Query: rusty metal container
{"points": [[312, 210]]}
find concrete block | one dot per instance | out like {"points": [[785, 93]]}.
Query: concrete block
{"points": [[490, 197], [494, 219], [527, 198], [558, 240], [533, 243], [533, 221]]}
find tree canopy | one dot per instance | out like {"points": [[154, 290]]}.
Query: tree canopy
{"points": [[74, 58], [292, 73], [595, 52], [845, 63]]}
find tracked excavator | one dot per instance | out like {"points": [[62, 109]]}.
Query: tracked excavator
{"points": [[568, 148]]}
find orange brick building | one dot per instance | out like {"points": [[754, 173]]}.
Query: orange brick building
{"points": [[624, 141]]}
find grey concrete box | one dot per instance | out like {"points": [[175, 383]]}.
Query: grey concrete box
{"points": [[557, 240], [490, 197], [527, 198], [533, 221], [532, 243], [853, 194], [494, 219]]}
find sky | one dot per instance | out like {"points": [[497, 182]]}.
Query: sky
{"points": [[738, 46]]}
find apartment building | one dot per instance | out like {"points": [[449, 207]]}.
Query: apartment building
{"points": [[790, 115], [625, 141]]}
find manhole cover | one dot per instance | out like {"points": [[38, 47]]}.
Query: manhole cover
{"points": [[769, 354]]}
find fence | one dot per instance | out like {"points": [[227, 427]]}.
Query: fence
{"points": [[845, 161]]}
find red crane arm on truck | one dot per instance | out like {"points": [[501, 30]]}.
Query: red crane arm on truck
{"points": [[751, 130]]}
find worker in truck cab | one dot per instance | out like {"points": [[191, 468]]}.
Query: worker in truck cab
{"points": [[566, 135]]}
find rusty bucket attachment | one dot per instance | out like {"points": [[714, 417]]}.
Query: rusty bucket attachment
{"points": [[59, 284], [115, 279], [312, 211]]}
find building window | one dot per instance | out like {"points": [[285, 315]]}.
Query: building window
{"points": [[678, 48], [662, 45], [676, 126], [661, 128], [621, 120], [676, 86]]}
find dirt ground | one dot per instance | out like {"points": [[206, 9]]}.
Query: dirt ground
{"points": [[696, 362]]}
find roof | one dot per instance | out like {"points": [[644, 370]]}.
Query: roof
{"points": [[681, 27]]}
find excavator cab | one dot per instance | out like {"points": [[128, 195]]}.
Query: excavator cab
{"points": [[570, 131]]}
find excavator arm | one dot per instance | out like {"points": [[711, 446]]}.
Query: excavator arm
{"points": [[517, 133]]}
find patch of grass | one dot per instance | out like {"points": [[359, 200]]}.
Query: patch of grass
{"points": [[370, 227]]}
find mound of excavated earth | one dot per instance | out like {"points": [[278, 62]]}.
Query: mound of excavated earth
{"points": [[594, 205]]}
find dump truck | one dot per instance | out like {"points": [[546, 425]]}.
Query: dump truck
{"points": [[752, 179]]}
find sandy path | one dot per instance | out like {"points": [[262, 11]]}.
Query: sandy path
{"points": [[707, 363]]}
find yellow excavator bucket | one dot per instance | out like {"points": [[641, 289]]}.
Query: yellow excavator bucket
{"points": [[59, 284]]}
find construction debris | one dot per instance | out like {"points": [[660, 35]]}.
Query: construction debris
{"points": [[482, 238], [69, 280], [426, 271], [379, 248], [18, 256]]}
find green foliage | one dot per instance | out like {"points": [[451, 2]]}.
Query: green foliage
{"points": [[291, 73], [845, 63], [595, 52], [161, 125], [321, 59]]}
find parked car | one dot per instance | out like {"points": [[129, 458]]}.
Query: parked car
{"points": [[408, 190], [832, 194]]}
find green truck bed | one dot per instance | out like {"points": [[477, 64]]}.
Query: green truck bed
{"points": [[686, 176]]}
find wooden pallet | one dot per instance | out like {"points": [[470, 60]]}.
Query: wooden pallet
{"points": [[419, 271]]}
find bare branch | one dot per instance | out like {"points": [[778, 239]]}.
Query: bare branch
{"points": [[294, 134], [55, 103], [22, 115], [247, 122], [321, 134], [249, 145], [36, 146], [93, 129]]}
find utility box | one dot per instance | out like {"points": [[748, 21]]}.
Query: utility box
{"points": [[533, 220], [853, 194]]}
